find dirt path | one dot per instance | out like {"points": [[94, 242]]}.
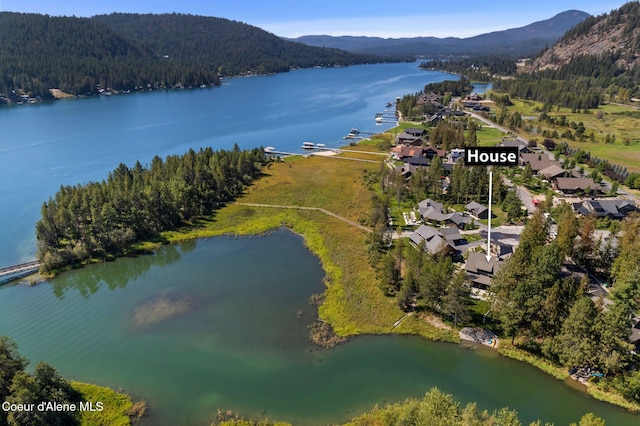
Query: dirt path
{"points": [[327, 212]]}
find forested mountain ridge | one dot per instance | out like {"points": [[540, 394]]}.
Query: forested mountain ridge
{"points": [[233, 47], [522, 41], [596, 60], [614, 37], [134, 52]]}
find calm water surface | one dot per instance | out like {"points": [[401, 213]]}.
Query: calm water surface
{"points": [[47, 145], [222, 323]]}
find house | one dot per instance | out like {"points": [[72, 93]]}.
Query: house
{"points": [[433, 212], [477, 210], [416, 133], [434, 241], [405, 138], [417, 160], [613, 209], [522, 146], [572, 185], [456, 155], [479, 271], [431, 152], [537, 162], [555, 171], [407, 170], [453, 236], [402, 151], [425, 204]]}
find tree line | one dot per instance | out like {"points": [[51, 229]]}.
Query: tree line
{"points": [[98, 219], [136, 52], [17, 386], [548, 309]]}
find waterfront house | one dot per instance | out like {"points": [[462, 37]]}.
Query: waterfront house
{"points": [[479, 271]]}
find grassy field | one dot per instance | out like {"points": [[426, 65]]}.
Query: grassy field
{"points": [[488, 136], [607, 119], [117, 407], [353, 303]]}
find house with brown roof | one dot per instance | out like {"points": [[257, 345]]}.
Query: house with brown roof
{"points": [[572, 185], [537, 162], [555, 171]]}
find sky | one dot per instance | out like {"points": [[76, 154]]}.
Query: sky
{"points": [[382, 18]]}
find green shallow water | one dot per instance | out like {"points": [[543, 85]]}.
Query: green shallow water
{"points": [[222, 324]]}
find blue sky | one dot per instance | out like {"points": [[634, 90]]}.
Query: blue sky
{"points": [[384, 18]]}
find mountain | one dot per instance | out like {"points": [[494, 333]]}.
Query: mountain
{"points": [[597, 60], [126, 52], [233, 47], [523, 41], [613, 38]]}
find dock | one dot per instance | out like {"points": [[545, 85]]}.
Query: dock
{"points": [[14, 272]]}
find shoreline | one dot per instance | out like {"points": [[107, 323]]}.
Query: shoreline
{"points": [[236, 219]]}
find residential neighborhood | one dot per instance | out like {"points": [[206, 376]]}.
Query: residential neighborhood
{"points": [[460, 230]]}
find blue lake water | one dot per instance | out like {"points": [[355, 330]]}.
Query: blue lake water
{"points": [[47, 145]]}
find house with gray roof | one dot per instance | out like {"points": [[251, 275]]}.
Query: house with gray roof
{"points": [[432, 211], [479, 271], [613, 209], [477, 210], [434, 241], [523, 147]]}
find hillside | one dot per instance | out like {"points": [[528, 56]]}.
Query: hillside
{"points": [[233, 47], [597, 60], [127, 52], [614, 36], [523, 41]]}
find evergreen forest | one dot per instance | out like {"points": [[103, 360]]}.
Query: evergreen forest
{"points": [[127, 52], [101, 219]]}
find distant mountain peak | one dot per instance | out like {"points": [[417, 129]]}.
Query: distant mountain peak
{"points": [[523, 41]]}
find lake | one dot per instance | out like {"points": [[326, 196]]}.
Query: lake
{"points": [[222, 323], [46, 145]]}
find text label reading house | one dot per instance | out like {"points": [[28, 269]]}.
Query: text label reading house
{"points": [[492, 156]]}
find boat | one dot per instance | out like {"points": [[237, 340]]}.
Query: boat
{"points": [[379, 119], [308, 145], [354, 131], [320, 145], [389, 104], [269, 149]]}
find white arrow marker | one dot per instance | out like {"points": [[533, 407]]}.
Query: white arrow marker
{"points": [[488, 256]]}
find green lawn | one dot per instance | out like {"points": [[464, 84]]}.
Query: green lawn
{"points": [[488, 136], [602, 121]]}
